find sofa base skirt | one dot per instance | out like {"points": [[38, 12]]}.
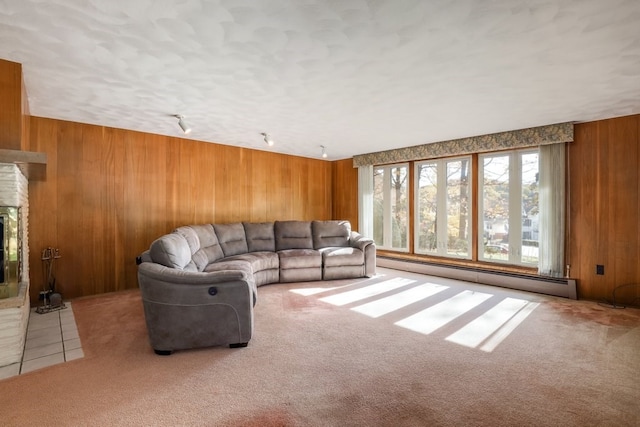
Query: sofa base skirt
{"points": [[301, 274], [343, 272], [171, 327], [265, 277]]}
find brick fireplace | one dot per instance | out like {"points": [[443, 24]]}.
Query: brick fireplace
{"points": [[14, 288]]}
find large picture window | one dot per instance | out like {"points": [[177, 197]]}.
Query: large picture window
{"points": [[391, 207], [490, 199], [443, 207], [447, 221], [508, 207]]}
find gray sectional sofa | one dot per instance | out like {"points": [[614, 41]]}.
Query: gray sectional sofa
{"points": [[199, 283]]}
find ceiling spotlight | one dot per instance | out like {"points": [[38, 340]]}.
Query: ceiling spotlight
{"points": [[183, 125], [267, 139], [324, 152]]}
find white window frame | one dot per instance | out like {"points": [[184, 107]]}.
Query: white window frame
{"points": [[387, 223], [515, 206], [442, 234]]}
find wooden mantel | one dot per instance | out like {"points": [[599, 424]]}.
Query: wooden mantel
{"points": [[32, 164]]}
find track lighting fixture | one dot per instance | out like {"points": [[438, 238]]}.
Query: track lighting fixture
{"points": [[267, 139], [183, 125], [324, 152]]}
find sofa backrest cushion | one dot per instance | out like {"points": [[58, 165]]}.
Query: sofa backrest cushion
{"points": [[232, 238], [330, 233], [260, 236], [293, 235], [172, 250], [203, 244]]}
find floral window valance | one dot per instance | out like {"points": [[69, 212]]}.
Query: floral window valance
{"points": [[530, 137]]}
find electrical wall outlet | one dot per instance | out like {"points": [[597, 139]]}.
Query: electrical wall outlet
{"points": [[600, 269]]}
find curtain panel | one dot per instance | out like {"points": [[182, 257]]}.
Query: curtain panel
{"points": [[552, 210], [365, 200]]}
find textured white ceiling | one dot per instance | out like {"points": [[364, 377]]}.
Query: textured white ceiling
{"points": [[354, 75]]}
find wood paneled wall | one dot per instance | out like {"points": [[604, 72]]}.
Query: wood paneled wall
{"points": [[604, 208], [12, 104], [110, 192], [603, 211], [345, 191]]}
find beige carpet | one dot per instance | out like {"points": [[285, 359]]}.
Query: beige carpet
{"points": [[317, 360]]}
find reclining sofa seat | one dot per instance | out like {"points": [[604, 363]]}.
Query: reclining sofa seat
{"points": [[199, 283], [299, 261]]}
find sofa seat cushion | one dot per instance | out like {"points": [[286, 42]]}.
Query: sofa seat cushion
{"points": [[225, 264], [299, 258], [335, 257], [259, 260], [266, 277]]}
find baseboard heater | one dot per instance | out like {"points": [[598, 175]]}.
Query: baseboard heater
{"points": [[561, 287]]}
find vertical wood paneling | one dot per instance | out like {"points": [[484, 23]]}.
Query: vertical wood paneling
{"points": [[43, 201], [94, 167], [604, 207], [345, 192], [11, 105], [110, 192], [115, 204], [623, 207], [202, 180], [25, 113], [69, 219]]}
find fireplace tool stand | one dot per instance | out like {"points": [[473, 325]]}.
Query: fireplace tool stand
{"points": [[51, 300]]}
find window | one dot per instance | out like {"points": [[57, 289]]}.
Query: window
{"points": [[391, 207], [447, 220], [443, 202], [508, 207]]}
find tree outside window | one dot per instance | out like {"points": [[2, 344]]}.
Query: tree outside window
{"points": [[391, 207]]}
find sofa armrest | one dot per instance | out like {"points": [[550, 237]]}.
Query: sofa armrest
{"points": [[183, 277], [357, 240], [173, 286], [187, 309], [368, 246], [144, 257]]}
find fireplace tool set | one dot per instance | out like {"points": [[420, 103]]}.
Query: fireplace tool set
{"points": [[51, 300]]}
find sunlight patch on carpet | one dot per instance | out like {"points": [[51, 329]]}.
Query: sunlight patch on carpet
{"points": [[509, 327], [483, 328], [494, 325], [307, 292], [397, 301], [366, 292], [435, 317]]}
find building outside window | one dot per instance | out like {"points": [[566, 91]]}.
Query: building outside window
{"points": [[508, 207]]}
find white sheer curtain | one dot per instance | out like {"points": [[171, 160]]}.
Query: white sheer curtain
{"points": [[552, 210], [365, 200]]}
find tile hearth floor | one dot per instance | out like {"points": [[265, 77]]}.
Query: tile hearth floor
{"points": [[52, 338]]}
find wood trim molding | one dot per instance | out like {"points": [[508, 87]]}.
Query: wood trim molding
{"points": [[32, 164]]}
